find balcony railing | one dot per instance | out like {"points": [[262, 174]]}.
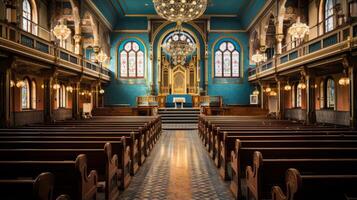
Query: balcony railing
{"points": [[334, 41], [46, 50]]}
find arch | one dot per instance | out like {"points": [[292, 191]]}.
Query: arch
{"points": [[93, 27], [33, 94], [253, 44], [241, 52], [25, 94], [62, 96], [264, 27]]}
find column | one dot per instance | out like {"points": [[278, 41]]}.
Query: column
{"points": [[353, 99], [5, 97], [261, 95], [47, 99], [310, 100], [279, 39], [96, 95], [281, 99], [75, 100], [77, 44]]}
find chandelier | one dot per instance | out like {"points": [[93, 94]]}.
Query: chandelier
{"points": [[287, 87], [259, 57], [298, 30], [101, 57], [61, 31], [344, 81], [180, 11], [256, 92], [179, 46]]}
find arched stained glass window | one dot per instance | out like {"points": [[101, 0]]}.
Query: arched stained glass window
{"points": [[25, 95], [26, 15], [227, 61], [330, 93], [132, 61], [329, 15]]}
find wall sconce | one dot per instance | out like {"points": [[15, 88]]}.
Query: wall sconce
{"points": [[12, 83], [20, 84], [69, 89], [101, 91], [56, 86]]}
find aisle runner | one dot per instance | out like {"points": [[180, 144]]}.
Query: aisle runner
{"points": [[178, 168]]}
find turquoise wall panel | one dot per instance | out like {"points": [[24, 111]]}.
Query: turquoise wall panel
{"points": [[125, 91], [233, 90], [132, 23]]}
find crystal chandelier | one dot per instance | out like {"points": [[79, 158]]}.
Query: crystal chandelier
{"points": [[61, 31], [180, 11], [298, 30], [179, 46], [101, 57], [259, 57]]}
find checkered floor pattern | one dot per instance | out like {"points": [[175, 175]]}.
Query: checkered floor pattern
{"points": [[178, 168]]}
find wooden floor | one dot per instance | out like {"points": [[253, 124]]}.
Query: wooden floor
{"points": [[178, 168]]}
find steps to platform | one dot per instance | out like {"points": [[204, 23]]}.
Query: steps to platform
{"points": [[184, 118]]}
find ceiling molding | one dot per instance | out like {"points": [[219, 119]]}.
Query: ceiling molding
{"points": [[266, 6], [155, 16], [101, 16], [228, 31]]}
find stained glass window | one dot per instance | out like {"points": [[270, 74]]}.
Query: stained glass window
{"points": [[329, 15], [132, 61], [330, 93], [26, 15], [298, 97], [227, 61], [25, 95]]}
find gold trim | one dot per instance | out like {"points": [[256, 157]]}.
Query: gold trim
{"points": [[241, 59], [228, 31], [117, 57], [131, 31]]}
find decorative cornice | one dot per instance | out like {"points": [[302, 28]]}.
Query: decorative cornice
{"points": [[266, 6], [99, 13], [130, 31]]}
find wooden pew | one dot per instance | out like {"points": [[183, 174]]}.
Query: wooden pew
{"points": [[136, 147], [264, 172], [316, 186], [112, 163], [71, 176], [40, 188], [241, 157]]}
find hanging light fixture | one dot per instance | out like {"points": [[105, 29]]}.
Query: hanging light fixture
{"points": [[179, 46], [101, 57], [259, 57], [101, 91], [69, 89], [344, 80], [61, 31], [256, 91], [298, 30], [301, 86], [268, 89], [180, 11], [287, 87], [56, 86], [273, 93], [20, 84]]}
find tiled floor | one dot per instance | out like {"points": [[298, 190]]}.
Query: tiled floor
{"points": [[178, 168]]}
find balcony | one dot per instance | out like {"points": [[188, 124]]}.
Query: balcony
{"points": [[343, 39], [14, 39]]}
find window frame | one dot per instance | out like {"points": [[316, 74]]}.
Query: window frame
{"points": [[140, 50], [217, 49], [328, 97], [27, 85], [329, 17]]}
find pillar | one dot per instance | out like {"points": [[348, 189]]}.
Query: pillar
{"points": [[281, 99], [77, 44], [310, 100], [96, 95], [75, 100], [261, 95], [279, 40], [5, 97], [47, 99], [353, 99]]}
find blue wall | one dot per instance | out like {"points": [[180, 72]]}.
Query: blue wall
{"points": [[125, 91], [233, 90]]}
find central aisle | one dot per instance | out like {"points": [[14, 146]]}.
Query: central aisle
{"points": [[178, 168]]}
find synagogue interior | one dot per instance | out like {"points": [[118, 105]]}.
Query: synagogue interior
{"points": [[178, 99]]}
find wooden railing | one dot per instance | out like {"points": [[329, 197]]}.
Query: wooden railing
{"points": [[342, 38], [147, 101], [47, 50]]}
